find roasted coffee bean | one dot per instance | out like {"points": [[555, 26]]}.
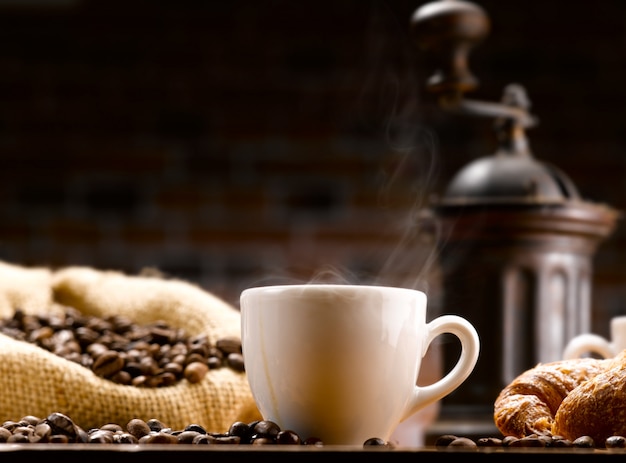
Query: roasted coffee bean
{"points": [[489, 442], [242, 430], [196, 428], [148, 366], [376, 441], [530, 441], [108, 364], [229, 345], [561, 442], [43, 430], [564, 443], [262, 441], [29, 419], [160, 438], [462, 442], [125, 438], [61, 424], [174, 368], [86, 336], [193, 357], [508, 440], [155, 425], [187, 437], [556, 440], [288, 437], [547, 441], [10, 425], [24, 430], [163, 334], [4, 434], [214, 363], [138, 428], [265, 428], [167, 378], [18, 438], [113, 427], [115, 348], [203, 439], [584, 442], [444, 440], [122, 377], [81, 435], [315, 441], [615, 442], [235, 361], [101, 436], [39, 335], [196, 371], [199, 349], [139, 381]]}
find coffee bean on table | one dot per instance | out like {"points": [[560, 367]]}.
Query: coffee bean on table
{"points": [[138, 428], [462, 442], [265, 429], [241, 429], [196, 428], [288, 437], [489, 442], [60, 428], [375, 441], [584, 442], [4, 434], [187, 437], [155, 425], [61, 424], [444, 440], [615, 442]]}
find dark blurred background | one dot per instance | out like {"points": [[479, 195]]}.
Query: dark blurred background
{"points": [[244, 142]]}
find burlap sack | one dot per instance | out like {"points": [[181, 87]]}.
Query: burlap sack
{"points": [[36, 382]]}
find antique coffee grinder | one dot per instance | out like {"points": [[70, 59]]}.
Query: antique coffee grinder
{"points": [[518, 239]]}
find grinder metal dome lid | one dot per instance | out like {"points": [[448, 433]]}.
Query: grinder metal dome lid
{"points": [[514, 193], [516, 178]]}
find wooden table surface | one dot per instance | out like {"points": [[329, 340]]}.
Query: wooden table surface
{"points": [[181, 453]]}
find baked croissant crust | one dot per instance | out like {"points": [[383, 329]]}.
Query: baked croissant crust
{"points": [[597, 407], [529, 404]]}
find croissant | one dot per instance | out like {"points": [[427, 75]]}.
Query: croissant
{"points": [[529, 404], [597, 407]]}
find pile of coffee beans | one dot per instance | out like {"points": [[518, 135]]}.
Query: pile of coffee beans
{"points": [[115, 348], [59, 428], [532, 440]]}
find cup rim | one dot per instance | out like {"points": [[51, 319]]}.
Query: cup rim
{"points": [[338, 286]]}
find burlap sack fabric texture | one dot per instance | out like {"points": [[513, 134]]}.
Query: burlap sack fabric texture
{"points": [[37, 382]]}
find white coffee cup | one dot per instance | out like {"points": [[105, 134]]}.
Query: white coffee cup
{"points": [[340, 362], [589, 343]]}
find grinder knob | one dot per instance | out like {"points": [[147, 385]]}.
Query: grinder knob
{"points": [[446, 30]]}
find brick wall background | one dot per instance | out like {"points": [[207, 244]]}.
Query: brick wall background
{"points": [[232, 143]]}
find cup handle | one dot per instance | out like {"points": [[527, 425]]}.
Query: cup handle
{"points": [[470, 347], [588, 343]]}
